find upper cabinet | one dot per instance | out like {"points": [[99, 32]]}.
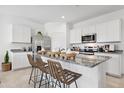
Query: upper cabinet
{"points": [[75, 35], [101, 30], [20, 34], [114, 29], [109, 31], [88, 30], [105, 32]]}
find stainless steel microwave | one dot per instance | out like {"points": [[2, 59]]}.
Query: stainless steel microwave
{"points": [[89, 38]]}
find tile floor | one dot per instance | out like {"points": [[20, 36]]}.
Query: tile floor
{"points": [[19, 79]]}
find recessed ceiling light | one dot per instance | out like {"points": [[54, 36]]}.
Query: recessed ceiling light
{"points": [[62, 17]]}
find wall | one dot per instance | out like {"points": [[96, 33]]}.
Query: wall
{"points": [[104, 18], [57, 32], [5, 43]]}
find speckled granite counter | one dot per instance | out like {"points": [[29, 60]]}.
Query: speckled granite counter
{"points": [[90, 60], [114, 52], [85, 60]]}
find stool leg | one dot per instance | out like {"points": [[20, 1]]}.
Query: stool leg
{"points": [[59, 84], [48, 81], [76, 84], [41, 79], [34, 77], [45, 80], [55, 83], [52, 82], [68, 86], [63, 85], [31, 75]]}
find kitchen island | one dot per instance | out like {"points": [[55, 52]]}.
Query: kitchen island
{"points": [[92, 68]]}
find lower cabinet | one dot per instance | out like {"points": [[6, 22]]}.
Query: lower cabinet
{"points": [[20, 60], [114, 66]]}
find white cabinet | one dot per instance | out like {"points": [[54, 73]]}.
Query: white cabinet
{"points": [[88, 30], [75, 35], [72, 36], [114, 64], [20, 33], [101, 32], [106, 32], [19, 60], [114, 30], [109, 31]]}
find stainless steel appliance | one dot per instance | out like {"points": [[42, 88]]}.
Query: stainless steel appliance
{"points": [[89, 38], [39, 43], [46, 44], [88, 50]]}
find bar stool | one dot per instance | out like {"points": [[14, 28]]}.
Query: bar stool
{"points": [[33, 71], [44, 69], [64, 76]]}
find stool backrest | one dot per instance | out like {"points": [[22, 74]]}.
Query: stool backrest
{"points": [[30, 58], [41, 64], [56, 70], [38, 58]]}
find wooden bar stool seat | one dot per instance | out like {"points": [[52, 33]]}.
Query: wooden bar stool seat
{"points": [[70, 76]]}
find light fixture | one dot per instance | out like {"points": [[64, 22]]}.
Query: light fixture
{"points": [[62, 17]]}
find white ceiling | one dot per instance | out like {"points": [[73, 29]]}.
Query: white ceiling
{"points": [[52, 13]]}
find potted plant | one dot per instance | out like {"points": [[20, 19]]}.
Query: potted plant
{"points": [[6, 65], [39, 33]]}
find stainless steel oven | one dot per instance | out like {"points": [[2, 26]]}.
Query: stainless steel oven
{"points": [[89, 38]]}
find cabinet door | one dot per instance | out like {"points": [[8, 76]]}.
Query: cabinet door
{"points": [[109, 31], [85, 30], [25, 61], [114, 30], [17, 35], [114, 64], [92, 29], [26, 37], [77, 35], [21, 34], [72, 36], [88, 30], [17, 61], [101, 30], [20, 60]]}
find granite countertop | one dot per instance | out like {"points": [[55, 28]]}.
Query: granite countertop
{"points": [[85, 60], [18, 51], [90, 60], [113, 52]]}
